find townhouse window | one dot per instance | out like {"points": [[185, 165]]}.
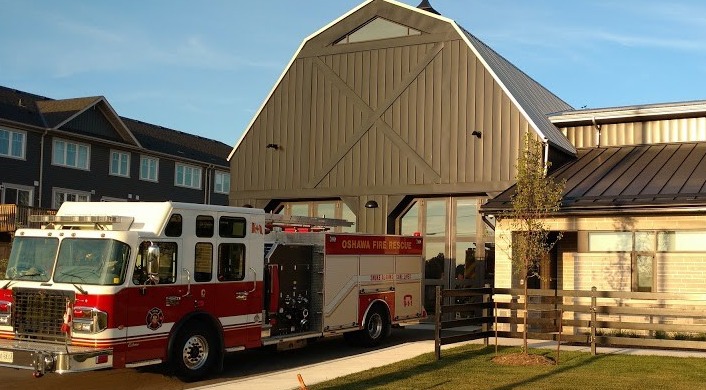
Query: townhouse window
{"points": [[119, 163], [149, 168], [222, 183], [71, 154], [12, 144], [62, 195], [187, 176]]}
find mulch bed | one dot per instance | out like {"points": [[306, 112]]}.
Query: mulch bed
{"points": [[523, 359]]}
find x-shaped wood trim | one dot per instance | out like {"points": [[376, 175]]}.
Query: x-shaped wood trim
{"points": [[374, 116]]}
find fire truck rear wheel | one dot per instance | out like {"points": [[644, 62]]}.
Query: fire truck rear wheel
{"points": [[377, 327], [194, 352]]}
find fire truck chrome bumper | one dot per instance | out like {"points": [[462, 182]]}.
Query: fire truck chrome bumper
{"points": [[45, 357]]}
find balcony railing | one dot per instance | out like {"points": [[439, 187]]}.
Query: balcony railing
{"points": [[13, 217]]}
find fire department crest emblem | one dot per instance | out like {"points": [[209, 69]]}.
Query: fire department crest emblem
{"points": [[155, 318]]}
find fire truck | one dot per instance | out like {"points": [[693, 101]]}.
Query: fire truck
{"points": [[115, 284]]}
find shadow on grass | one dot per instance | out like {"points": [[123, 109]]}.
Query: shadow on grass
{"points": [[565, 365], [429, 365]]}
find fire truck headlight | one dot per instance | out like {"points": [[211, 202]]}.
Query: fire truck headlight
{"points": [[89, 320], [5, 313]]}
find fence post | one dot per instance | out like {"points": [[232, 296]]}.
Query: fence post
{"points": [[485, 313], [594, 303], [437, 327]]}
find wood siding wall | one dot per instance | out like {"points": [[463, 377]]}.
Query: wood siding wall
{"points": [[636, 133], [381, 121]]}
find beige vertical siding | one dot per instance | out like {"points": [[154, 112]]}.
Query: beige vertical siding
{"points": [[323, 116], [637, 133]]}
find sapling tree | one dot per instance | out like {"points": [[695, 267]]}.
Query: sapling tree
{"points": [[537, 196]]}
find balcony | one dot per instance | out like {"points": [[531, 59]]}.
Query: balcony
{"points": [[13, 217]]}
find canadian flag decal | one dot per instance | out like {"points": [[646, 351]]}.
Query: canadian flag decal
{"points": [[66, 326]]}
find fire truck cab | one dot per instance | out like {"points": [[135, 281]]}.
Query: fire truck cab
{"points": [[104, 285]]}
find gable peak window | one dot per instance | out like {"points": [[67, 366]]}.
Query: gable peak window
{"points": [[377, 28]]}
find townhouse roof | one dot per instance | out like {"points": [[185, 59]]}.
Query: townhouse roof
{"points": [[23, 108]]}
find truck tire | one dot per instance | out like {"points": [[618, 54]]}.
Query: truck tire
{"points": [[194, 352], [377, 327]]}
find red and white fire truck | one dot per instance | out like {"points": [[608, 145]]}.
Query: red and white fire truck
{"points": [[105, 285]]}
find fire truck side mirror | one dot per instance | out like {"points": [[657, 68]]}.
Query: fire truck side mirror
{"points": [[153, 264]]}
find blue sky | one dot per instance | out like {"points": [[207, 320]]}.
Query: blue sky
{"points": [[205, 67]]}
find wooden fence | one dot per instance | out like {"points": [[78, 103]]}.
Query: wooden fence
{"points": [[13, 217], [595, 318]]}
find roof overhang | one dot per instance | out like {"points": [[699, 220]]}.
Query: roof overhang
{"points": [[629, 113]]}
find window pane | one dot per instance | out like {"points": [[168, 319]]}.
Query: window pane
{"points": [[644, 273], [300, 209], [204, 226], [180, 174], [348, 215], [231, 227], [71, 155], [435, 259], [327, 210], [610, 241], [59, 150], [17, 144], [687, 241], [174, 226], [4, 142], [644, 241], [436, 218], [114, 162], [466, 217], [231, 262], [203, 262], [410, 221], [83, 157], [465, 260]]}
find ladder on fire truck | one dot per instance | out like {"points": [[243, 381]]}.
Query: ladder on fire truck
{"points": [[301, 223]]}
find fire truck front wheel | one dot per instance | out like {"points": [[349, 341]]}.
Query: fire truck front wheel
{"points": [[194, 352]]}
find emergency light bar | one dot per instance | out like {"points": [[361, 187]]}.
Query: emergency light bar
{"points": [[118, 222]]}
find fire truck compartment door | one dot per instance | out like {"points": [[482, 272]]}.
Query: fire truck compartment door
{"points": [[408, 287], [341, 291]]}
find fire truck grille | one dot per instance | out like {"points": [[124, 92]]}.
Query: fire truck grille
{"points": [[38, 313]]}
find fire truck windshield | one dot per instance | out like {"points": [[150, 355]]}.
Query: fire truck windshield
{"points": [[91, 261], [32, 258]]}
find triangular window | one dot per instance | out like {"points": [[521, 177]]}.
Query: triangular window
{"points": [[377, 28]]}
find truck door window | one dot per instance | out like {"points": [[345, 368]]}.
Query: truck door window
{"points": [[231, 261], [204, 226], [203, 262], [174, 227], [231, 227], [167, 264]]}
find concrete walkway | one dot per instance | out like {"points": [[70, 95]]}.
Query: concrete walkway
{"points": [[321, 372]]}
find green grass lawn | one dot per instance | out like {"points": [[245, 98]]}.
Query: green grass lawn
{"points": [[470, 367]]}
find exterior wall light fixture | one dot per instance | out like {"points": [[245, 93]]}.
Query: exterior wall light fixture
{"points": [[272, 146], [371, 204]]}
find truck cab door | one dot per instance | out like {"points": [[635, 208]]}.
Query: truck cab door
{"points": [[155, 301]]}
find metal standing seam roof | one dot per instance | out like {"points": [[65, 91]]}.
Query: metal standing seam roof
{"points": [[622, 177], [536, 101]]}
